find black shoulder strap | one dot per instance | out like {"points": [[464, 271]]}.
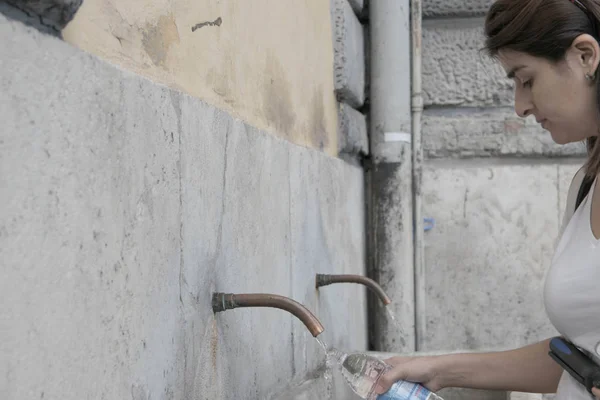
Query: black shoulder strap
{"points": [[584, 189]]}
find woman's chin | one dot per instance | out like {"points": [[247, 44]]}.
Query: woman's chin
{"points": [[559, 138]]}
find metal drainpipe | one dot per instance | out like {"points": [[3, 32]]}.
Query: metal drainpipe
{"points": [[417, 160], [390, 176]]}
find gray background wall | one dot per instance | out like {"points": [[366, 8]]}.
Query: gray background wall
{"points": [[495, 185], [125, 205]]}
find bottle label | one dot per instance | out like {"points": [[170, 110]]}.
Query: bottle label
{"points": [[403, 390]]}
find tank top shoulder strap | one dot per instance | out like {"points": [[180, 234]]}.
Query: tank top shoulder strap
{"points": [[573, 197]]}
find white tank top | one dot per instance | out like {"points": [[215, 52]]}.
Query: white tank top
{"points": [[572, 291]]}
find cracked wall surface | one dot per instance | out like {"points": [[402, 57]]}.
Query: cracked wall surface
{"points": [[126, 204], [270, 63]]}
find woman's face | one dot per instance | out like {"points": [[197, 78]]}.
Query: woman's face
{"points": [[558, 95]]}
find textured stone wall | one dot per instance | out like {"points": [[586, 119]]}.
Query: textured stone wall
{"points": [[126, 204], [349, 37], [469, 100], [54, 14]]}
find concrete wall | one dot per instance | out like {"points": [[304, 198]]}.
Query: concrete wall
{"points": [[496, 187], [496, 223], [126, 204], [267, 62]]}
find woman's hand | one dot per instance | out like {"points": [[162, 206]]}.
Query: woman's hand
{"points": [[421, 370], [596, 392]]}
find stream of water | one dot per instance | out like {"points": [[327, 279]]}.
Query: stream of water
{"points": [[390, 313], [323, 344]]}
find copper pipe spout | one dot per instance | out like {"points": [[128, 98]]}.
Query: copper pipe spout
{"points": [[323, 280], [228, 301]]}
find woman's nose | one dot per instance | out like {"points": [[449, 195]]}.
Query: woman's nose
{"points": [[523, 104]]}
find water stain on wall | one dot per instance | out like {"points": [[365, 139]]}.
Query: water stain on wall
{"points": [[318, 130], [277, 102], [159, 37], [223, 80]]}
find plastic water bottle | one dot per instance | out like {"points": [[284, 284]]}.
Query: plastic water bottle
{"points": [[362, 373]]}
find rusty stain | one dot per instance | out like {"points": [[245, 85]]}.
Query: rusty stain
{"points": [[216, 22], [158, 39], [214, 343]]}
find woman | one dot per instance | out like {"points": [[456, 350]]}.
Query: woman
{"points": [[550, 49]]}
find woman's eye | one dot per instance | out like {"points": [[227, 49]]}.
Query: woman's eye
{"points": [[528, 83]]}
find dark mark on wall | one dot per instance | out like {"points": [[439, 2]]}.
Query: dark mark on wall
{"points": [[216, 22]]}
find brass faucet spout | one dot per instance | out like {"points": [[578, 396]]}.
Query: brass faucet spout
{"points": [[228, 301], [324, 280]]}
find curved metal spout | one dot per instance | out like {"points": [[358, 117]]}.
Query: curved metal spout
{"points": [[228, 301], [324, 280]]}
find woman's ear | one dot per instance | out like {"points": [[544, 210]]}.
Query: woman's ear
{"points": [[588, 52]]}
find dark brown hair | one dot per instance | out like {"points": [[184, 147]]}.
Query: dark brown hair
{"points": [[545, 29]]}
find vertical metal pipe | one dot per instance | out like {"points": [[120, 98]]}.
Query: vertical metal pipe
{"points": [[390, 177], [417, 111]]}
